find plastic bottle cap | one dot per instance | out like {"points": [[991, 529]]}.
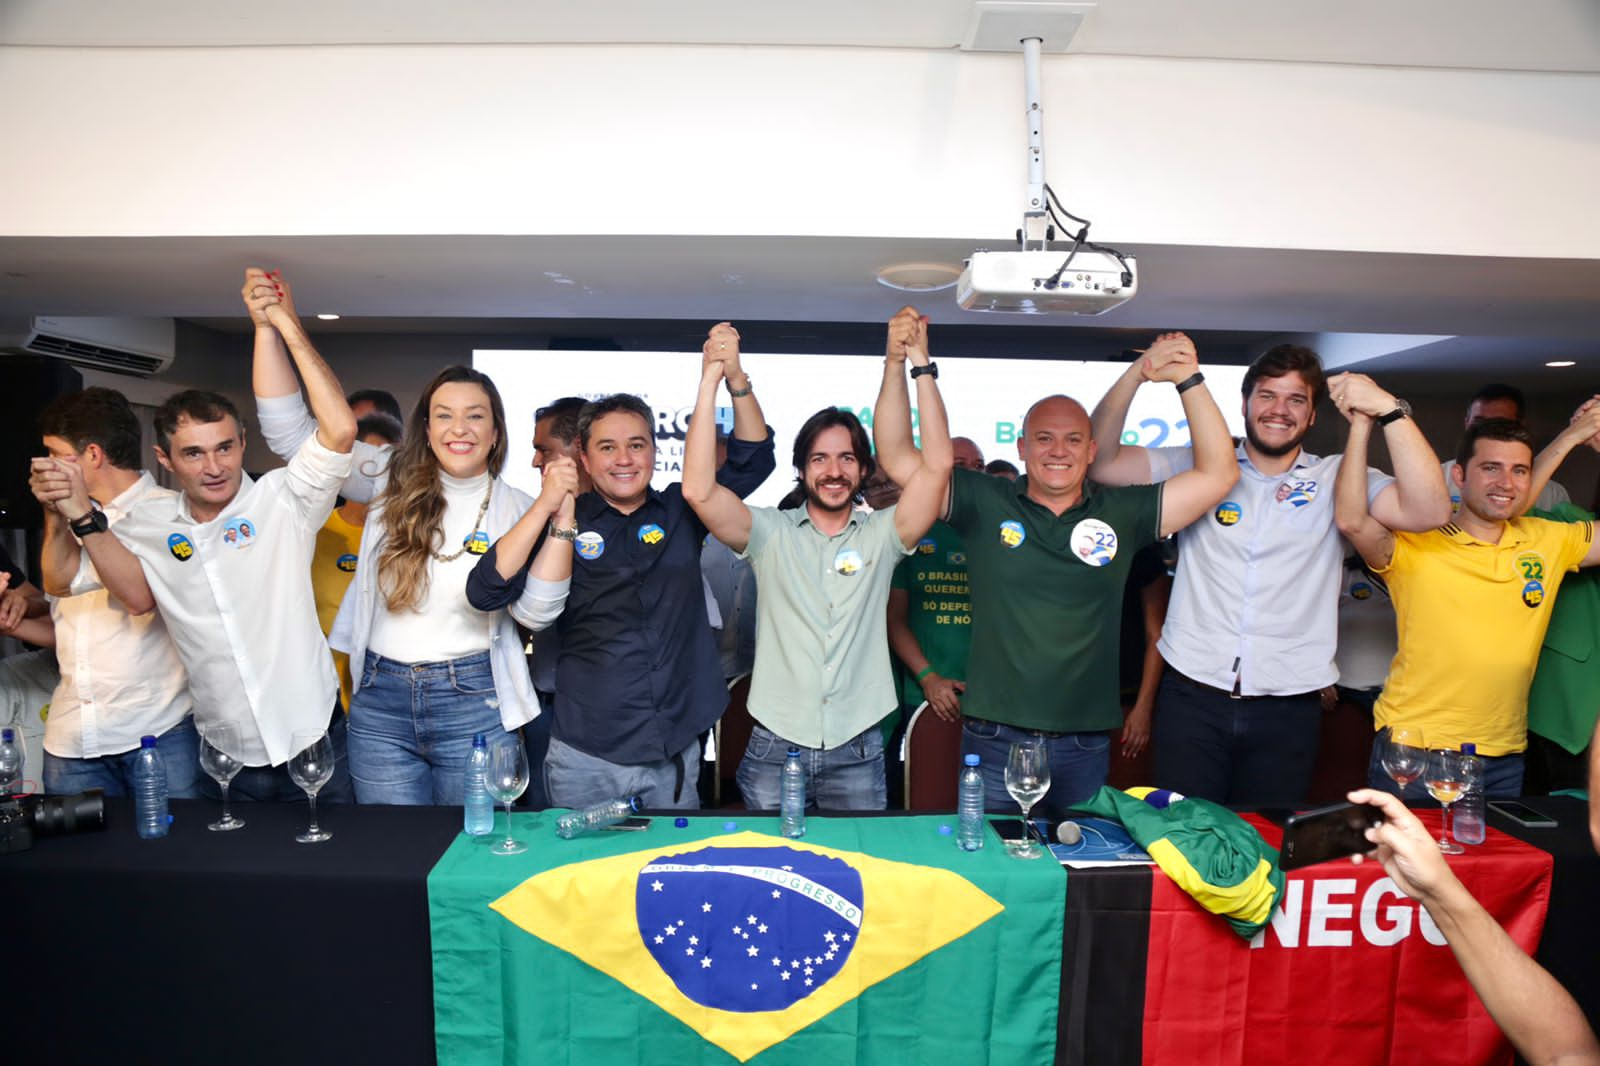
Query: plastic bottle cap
{"points": [[8, 735], [1469, 749], [945, 830], [794, 753], [479, 740], [728, 827], [681, 823], [633, 803], [147, 742], [971, 760]]}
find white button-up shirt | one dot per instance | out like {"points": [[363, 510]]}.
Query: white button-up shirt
{"points": [[236, 593], [1255, 597], [120, 674]]}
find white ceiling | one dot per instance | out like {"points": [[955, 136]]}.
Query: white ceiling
{"points": [[1550, 306]]}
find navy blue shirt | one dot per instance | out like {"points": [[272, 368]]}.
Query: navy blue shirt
{"points": [[638, 675]]}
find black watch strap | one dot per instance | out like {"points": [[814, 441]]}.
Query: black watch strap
{"points": [[93, 522], [1401, 410], [931, 370]]}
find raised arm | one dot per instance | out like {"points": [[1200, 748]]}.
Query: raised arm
{"points": [[1351, 513], [1584, 428], [891, 419], [725, 515], [924, 492], [1116, 463], [58, 485], [336, 423], [544, 593], [1187, 496], [1538, 1016], [1418, 499]]}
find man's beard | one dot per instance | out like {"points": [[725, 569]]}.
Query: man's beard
{"points": [[1274, 451], [814, 499]]}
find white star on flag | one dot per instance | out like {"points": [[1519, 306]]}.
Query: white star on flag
{"points": [[671, 930], [752, 951], [655, 886], [705, 963], [762, 928], [706, 906]]}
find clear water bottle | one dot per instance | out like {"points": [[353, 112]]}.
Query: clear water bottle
{"points": [[477, 804], [576, 823], [10, 763], [1467, 816], [150, 791], [792, 796], [969, 805]]}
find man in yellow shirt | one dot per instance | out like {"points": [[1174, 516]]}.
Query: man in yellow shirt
{"points": [[1472, 598], [339, 545]]}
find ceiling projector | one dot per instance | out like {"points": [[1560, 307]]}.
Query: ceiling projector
{"points": [[1034, 283]]}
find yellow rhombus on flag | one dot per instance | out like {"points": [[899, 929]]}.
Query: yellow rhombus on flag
{"points": [[747, 938]]}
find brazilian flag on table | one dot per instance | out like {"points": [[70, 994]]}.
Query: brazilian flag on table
{"points": [[870, 940]]}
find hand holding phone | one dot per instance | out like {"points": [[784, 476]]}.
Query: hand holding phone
{"points": [[1327, 833]]}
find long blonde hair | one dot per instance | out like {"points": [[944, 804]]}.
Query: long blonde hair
{"points": [[413, 499]]}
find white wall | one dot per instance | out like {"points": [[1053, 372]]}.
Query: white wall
{"points": [[762, 140]]}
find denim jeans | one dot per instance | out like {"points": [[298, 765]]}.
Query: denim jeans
{"points": [[849, 777], [1079, 763], [1240, 752], [180, 753], [1502, 776], [576, 779], [412, 724], [272, 784]]}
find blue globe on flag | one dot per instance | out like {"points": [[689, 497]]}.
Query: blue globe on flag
{"points": [[749, 929]]}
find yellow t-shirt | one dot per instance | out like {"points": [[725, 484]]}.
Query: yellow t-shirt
{"points": [[332, 567], [1471, 617]]}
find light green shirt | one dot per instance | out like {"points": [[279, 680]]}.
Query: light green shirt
{"points": [[822, 640]]}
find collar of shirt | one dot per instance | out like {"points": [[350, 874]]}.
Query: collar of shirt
{"points": [[800, 516], [1302, 460], [1515, 533], [592, 505], [125, 500]]}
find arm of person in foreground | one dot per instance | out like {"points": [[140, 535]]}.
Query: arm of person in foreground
{"points": [[1542, 1021], [925, 487], [1584, 428], [58, 486], [38, 631], [549, 578], [1418, 499], [1192, 493], [1351, 512], [1116, 463]]}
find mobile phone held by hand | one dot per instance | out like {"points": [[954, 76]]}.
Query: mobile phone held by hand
{"points": [[1327, 833]]}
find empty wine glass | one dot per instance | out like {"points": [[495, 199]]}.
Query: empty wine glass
{"points": [[1404, 756], [311, 768], [219, 739], [1445, 777], [506, 779], [1027, 779]]}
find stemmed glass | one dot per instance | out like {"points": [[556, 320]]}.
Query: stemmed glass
{"points": [[311, 768], [1445, 777], [1027, 779], [1404, 756], [507, 778], [218, 740]]}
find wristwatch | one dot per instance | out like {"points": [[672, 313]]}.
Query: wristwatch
{"points": [[1401, 410], [563, 532], [932, 370], [93, 522]]}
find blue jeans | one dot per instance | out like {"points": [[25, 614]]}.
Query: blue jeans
{"points": [[849, 777], [1079, 763], [576, 779], [1502, 776], [412, 724], [272, 784], [180, 753], [1239, 752]]}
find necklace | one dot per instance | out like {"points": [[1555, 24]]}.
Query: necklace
{"points": [[477, 525]]}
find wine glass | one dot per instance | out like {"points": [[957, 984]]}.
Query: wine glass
{"points": [[1404, 756], [1027, 779], [311, 768], [1445, 776], [507, 778], [219, 739]]}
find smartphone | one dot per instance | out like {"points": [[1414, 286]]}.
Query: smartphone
{"points": [[1522, 814], [634, 824], [1327, 833], [1010, 829]]}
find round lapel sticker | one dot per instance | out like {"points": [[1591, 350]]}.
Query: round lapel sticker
{"points": [[926, 546], [652, 534], [1360, 591], [1533, 593], [590, 544], [1228, 513], [848, 562], [1094, 542], [346, 562], [181, 547], [1012, 534], [476, 542], [238, 532], [1295, 492]]}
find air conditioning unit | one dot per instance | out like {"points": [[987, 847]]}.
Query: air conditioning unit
{"points": [[138, 347]]}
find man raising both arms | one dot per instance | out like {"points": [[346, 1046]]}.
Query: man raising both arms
{"points": [[822, 680]]}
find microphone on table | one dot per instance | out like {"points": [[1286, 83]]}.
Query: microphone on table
{"points": [[1069, 833]]}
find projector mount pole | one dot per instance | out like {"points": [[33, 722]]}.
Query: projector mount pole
{"points": [[1035, 231]]}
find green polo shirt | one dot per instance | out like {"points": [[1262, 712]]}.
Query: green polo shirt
{"points": [[822, 633], [1047, 599], [938, 607]]}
